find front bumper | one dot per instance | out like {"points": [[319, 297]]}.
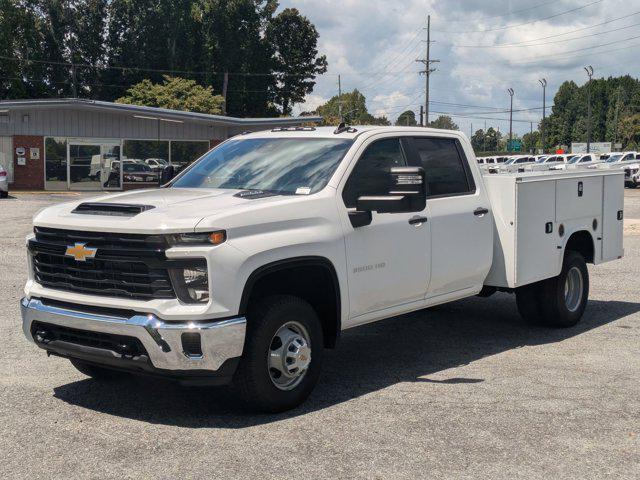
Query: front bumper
{"points": [[168, 350]]}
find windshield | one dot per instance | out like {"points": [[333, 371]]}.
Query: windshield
{"points": [[510, 161], [574, 159], [614, 158], [279, 165], [541, 160]]}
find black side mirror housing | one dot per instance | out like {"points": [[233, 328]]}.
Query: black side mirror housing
{"points": [[407, 193]]}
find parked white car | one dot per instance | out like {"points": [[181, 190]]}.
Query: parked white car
{"points": [[517, 163], [4, 183], [156, 163], [547, 162], [250, 263], [583, 160], [619, 160]]}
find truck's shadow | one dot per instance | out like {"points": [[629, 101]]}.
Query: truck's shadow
{"points": [[369, 358]]}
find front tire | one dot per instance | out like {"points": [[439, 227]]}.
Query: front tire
{"points": [[3, 194], [282, 355]]}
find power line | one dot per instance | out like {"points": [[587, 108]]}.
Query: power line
{"points": [[569, 52], [546, 43], [506, 27], [507, 14]]}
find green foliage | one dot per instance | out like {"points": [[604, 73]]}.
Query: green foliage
{"points": [[407, 119], [354, 110], [296, 62], [444, 122], [269, 61], [531, 142], [629, 131], [612, 100], [174, 93]]}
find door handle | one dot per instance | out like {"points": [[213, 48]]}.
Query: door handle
{"points": [[417, 220], [480, 211]]}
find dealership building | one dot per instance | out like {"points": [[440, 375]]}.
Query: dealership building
{"points": [[76, 144]]}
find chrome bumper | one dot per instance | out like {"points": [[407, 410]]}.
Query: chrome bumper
{"points": [[220, 340]]}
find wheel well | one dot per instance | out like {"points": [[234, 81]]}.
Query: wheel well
{"points": [[582, 243], [312, 279]]}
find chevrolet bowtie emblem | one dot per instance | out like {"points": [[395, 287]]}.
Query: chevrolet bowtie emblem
{"points": [[80, 252]]}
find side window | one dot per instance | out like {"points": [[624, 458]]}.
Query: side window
{"points": [[586, 158], [370, 176], [446, 169]]}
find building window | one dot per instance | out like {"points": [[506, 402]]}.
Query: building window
{"points": [[56, 163], [184, 153], [142, 161]]}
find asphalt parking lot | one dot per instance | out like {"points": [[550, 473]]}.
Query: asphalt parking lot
{"points": [[464, 390]]}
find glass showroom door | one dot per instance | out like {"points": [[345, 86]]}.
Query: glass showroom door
{"points": [[94, 166]]}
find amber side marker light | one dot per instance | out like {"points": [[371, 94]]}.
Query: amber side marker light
{"points": [[217, 238]]}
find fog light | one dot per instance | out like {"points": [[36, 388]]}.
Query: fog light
{"points": [[196, 282], [191, 283]]}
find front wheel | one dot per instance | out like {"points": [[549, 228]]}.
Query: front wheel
{"points": [[282, 354], [3, 194], [559, 301]]}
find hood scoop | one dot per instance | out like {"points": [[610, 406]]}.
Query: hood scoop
{"points": [[111, 209]]}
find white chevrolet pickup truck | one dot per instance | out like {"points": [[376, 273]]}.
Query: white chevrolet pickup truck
{"points": [[250, 263]]}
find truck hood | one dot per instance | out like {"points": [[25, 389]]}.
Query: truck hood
{"points": [[174, 210]]}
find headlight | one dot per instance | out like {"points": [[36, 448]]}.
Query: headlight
{"points": [[204, 238], [191, 283]]}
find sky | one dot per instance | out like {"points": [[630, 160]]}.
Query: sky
{"points": [[484, 47]]}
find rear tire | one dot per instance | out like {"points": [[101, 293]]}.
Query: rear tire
{"points": [[3, 194], [282, 332], [560, 301], [96, 372]]}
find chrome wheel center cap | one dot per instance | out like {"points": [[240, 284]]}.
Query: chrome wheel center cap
{"points": [[289, 356]]}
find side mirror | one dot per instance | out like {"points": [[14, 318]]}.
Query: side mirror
{"points": [[407, 193]]}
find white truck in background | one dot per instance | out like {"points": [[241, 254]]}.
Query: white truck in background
{"points": [[250, 263]]}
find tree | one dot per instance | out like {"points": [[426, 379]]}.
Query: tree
{"points": [[530, 141], [296, 60], [265, 63], [493, 139], [407, 119], [443, 122], [354, 110], [174, 93], [630, 132], [478, 141]]}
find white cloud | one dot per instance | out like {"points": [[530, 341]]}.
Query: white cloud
{"points": [[373, 45]]}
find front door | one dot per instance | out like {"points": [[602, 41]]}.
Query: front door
{"points": [[94, 166], [388, 261]]}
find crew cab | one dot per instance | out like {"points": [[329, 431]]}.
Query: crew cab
{"points": [[249, 264]]}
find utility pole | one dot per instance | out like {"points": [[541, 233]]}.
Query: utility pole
{"points": [[484, 137], [543, 82], [589, 70], [340, 99], [422, 116], [510, 146], [225, 86], [428, 70], [74, 85]]}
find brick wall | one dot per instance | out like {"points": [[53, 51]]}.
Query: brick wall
{"points": [[31, 175]]}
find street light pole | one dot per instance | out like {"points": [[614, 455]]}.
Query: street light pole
{"points": [[543, 82], [511, 92], [589, 70]]}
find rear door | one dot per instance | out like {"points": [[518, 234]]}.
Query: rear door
{"points": [[459, 215]]}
